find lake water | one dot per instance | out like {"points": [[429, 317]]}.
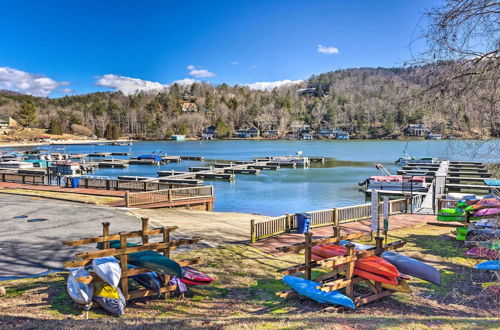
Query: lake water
{"points": [[333, 184]]}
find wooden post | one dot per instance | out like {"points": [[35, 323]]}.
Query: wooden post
{"points": [[127, 199], [169, 192], [105, 234], [336, 231], [349, 270], [166, 239], [336, 216], [107, 184], [145, 228], [288, 224], [124, 264], [379, 242], [145, 186], [86, 182], [166, 284], [252, 231], [307, 254]]}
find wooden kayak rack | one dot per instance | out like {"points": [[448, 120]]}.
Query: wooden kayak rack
{"points": [[341, 268], [165, 246]]}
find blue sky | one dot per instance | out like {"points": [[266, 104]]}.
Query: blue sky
{"points": [[53, 48]]}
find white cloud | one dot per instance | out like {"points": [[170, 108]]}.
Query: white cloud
{"points": [[327, 50], [253, 66], [199, 73], [29, 83], [185, 81], [270, 85], [66, 90], [234, 62], [128, 85]]}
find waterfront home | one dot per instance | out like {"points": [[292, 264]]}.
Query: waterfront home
{"points": [[246, 133], [189, 107], [306, 136], [416, 130], [179, 137], [6, 123], [270, 134], [327, 133], [433, 136], [341, 135], [209, 133]]}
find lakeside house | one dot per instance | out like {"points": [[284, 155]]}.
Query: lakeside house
{"points": [[209, 133], [178, 137], [306, 91], [246, 133], [341, 135], [327, 133], [416, 130], [433, 136], [189, 107], [270, 134], [6, 123]]}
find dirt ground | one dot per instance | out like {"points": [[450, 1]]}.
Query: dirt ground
{"points": [[243, 295]]}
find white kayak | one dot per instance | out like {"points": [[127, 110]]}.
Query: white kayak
{"points": [[80, 292], [108, 269]]}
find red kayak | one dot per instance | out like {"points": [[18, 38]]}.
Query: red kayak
{"points": [[375, 277], [377, 265], [194, 277], [328, 251]]}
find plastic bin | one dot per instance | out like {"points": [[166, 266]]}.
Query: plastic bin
{"points": [[304, 222], [75, 182]]}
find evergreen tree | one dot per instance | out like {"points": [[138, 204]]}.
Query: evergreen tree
{"points": [[26, 115], [56, 127]]}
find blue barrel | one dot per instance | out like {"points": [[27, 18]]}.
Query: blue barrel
{"points": [[75, 182], [304, 222]]}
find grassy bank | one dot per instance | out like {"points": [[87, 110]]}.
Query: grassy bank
{"points": [[243, 295]]}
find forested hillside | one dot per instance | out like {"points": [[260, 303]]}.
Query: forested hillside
{"points": [[366, 102]]}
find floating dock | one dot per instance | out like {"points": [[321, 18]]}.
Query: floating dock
{"points": [[200, 158]]}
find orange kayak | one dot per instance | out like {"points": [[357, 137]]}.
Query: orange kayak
{"points": [[377, 265], [375, 277]]}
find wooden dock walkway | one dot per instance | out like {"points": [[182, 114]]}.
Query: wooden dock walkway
{"points": [[396, 221]]}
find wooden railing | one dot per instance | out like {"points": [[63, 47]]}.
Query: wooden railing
{"points": [[114, 184], [320, 218], [447, 203], [168, 195], [23, 178]]}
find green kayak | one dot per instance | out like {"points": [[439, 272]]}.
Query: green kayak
{"points": [[462, 233], [151, 260], [451, 218], [451, 212]]}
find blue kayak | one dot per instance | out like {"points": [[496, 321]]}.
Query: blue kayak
{"points": [[308, 289], [489, 265], [149, 280]]}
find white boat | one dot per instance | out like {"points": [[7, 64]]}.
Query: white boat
{"points": [[108, 269], [387, 181], [15, 164], [80, 292]]}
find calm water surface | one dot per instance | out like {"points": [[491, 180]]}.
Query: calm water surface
{"points": [[333, 184]]}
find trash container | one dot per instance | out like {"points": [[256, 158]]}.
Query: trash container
{"points": [[75, 182], [303, 222]]}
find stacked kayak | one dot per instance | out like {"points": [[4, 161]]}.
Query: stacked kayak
{"points": [[489, 265], [376, 269], [455, 214], [195, 277], [483, 252], [308, 288]]}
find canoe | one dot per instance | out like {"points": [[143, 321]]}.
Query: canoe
{"points": [[402, 286], [489, 265], [413, 267], [110, 298], [108, 269], [149, 280], [483, 252], [451, 218], [194, 275], [316, 257], [375, 277], [308, 289], [190, 282], [150, 260], [377, 265], [80, 292]]}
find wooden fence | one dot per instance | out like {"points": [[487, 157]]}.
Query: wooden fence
{"points": [[23, 178], [169, 195], [320, 218], [114, 184]]}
